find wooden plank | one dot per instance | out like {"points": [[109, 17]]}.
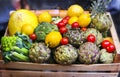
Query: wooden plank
{"points": [[115, 36], [18, 73], [58, 67], [116, 41]]}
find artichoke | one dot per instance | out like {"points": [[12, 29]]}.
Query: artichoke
{"points": [[106, 57], [96, 33], [39, 53], [43, 29], [65, 54], [88, 53], [101, 22], [75, 36]]}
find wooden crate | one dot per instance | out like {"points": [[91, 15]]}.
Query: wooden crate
{"points": [[25, 69]]}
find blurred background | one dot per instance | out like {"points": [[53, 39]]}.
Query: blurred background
{"points": [[7, 5]]}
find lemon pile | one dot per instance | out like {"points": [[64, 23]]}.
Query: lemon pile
{"points": [[77, 14]]}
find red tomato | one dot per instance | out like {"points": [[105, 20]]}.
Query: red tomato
{"points": [[33, 36], [75, 25], [105, 43], [64, 41], [60, 24], [83, 29], [67, 17], [65, 21], [91, 38], [110, 48], [63, 30]]}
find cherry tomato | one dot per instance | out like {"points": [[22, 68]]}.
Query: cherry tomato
{"points": [[110, 48], [67, 17], [65, 21], [83, 29], [75, 25], [91, 38], [64, 41], [33, 36], [60, 24], [105, 43], [63, 30]]}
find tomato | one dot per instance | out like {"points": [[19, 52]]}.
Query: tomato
{"points": [[109, 39], [91, 38], [110, 48], [83, 29], [67, 17], [65, 21], [64, 41], [75, 25], [63, 30], [105, 43], [33, 36], [60, 24]]}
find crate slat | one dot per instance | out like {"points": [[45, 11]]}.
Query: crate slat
{"points": [[58, 67], [18, 73]]}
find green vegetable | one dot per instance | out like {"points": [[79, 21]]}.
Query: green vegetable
{"points": [[43, 29], [7, 42], [20, 56], [24, 51], [25, 42]]}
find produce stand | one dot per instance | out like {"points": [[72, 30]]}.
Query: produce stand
{"points": [[25, 69]]}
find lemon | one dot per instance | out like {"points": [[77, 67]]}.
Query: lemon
{"points": [[72, 20], [19, 18], [84, 19], [45, 17], [53, 39], [75, 10], [27, 29]]}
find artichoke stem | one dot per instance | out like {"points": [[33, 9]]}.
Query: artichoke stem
{"points": [[104, 34]]}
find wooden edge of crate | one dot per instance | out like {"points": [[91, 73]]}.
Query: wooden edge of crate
{"points": [[57, 67], [115, 40], [23, 73]]}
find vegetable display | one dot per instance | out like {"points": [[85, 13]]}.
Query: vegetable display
{"points": [[79, 37]]}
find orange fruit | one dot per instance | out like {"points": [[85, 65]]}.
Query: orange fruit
{"points": [[75, 10], [84, 20], [27, 29]]}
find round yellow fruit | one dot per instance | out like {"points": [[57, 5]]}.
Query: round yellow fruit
{"points": [[19, 18], [53, 39], [84, 20], [27, 29], [75, 10], [72, 20], [45, 17]]}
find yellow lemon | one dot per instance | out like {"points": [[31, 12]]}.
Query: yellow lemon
{"points": [[72, 20], [45, 17], [53, 39], [27, 29], [75, 10], [84, 20]]}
